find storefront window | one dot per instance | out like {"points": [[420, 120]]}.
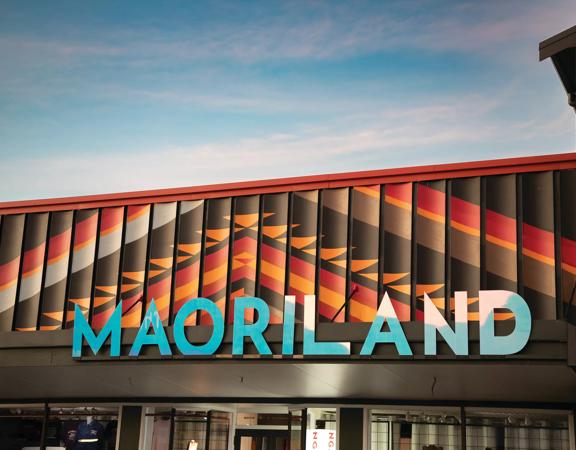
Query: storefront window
{"points": [[516, 429], [430, 429], [82, 428], [189, 429], [21, 427], [219, 430], [64, 427]]}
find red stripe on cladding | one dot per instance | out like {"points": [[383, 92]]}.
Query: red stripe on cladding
{"points": [[85, 230], [135, 209], [402, 309], [268, 282], [188, 274], [274, 256], [402, 192], [431, 200], [465, 213], [303, 269], [244, 272], [538, 240], [126, 305], [59, 244], [9, 271], [159, 289], [500, 226], [33, 258], [333, 282], [111, 217], [326, 310], [245, 244], [364, 295], [214, 261], [568, 252]]}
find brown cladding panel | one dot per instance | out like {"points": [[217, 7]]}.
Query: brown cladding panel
{"points": [[568, 243], [431, 245], [161, 258], [188, 254], [54, 289], [304, 228], [397, 243], [134, 264], [333, 255], [10, 248], [82, 270], [31, 272], [465, 242], [107, 265], [245, 252], [539, 280], [215, 274], [364, 257], [273, 253]]}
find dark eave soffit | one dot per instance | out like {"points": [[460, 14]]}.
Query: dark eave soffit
{"points": [[555, 44]]}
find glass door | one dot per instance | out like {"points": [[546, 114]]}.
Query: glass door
{"points": [[261, 440], [297, 428]]}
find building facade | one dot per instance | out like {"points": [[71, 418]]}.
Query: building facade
{"points": [[411, 237]]}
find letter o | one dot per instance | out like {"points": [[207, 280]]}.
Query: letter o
{"points": [[210, 347]]}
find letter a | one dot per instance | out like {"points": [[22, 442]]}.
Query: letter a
{"points": [[395, 336]]}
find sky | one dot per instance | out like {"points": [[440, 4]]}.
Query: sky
{"points": [[109, 96]]}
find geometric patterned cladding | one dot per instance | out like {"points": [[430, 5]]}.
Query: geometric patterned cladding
{"points": [[346, 243]]}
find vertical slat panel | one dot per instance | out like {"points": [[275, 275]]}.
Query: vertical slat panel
{"points": [[364, 247], [188, 256], [216, 259], [273, 253], [32, 272], [107, 265], [568, 242], [82, 271], [333, 253], [500, 217], [538, 244], [397, 242], [245, 248], [10, 248], [303, 225], [161, 258], [431, 245], [54, 289], [465, 242], [134, 264]]}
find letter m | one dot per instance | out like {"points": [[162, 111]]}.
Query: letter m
{"points": [[83, 330]]}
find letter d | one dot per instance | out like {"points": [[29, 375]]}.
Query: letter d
{"points": [[490, 344]]}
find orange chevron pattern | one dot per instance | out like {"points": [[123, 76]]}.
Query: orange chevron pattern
{"points": [[217, 241], [302, 242], [245, 249]]}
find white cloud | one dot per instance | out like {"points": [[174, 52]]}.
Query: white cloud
{"points": [[429, 134]]}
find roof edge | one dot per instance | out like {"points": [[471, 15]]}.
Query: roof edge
{"points": [[382, 176]]}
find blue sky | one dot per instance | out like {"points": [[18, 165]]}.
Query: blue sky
{"points": [[107, 96]]}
